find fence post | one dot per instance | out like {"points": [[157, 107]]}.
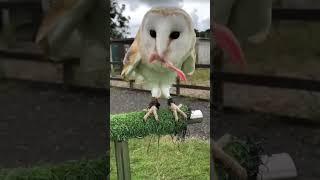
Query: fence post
{"points": [[178, 86], [131, 84], [122, 160]]}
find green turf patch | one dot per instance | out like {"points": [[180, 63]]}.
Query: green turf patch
{"points": [[131, 125], [71, 170], [167, 159]]}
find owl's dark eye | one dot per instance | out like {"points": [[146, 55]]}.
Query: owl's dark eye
{"points": [[175, 35], [153, 33]]}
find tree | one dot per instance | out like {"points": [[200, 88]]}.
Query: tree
{"points": [[197, 32], [119, 23], [203, 34]]}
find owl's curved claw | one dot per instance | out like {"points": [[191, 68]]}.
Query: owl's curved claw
{"points": [[152, 110], [176, 109]]}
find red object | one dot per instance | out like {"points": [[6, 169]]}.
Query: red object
{"points": [[168, 64], [181, 75], [226, 40]]}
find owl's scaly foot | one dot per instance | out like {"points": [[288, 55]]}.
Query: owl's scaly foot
{"points": [[152, 109], [175, 109]]}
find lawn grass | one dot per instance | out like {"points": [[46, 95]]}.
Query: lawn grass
{"points": [[167, 160], [200, 76]]}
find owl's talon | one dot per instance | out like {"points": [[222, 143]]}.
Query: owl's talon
{"points": [[151, 111], [176, 109]]}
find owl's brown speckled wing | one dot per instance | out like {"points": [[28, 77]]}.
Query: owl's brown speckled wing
{"points": [[131, 59]]}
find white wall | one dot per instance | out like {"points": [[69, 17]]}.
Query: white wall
{"points": [[203, 51]]}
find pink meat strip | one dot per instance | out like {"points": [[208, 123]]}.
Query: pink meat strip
{"points": [[168, 65]]}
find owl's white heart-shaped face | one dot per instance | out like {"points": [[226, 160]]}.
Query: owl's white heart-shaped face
{"points": [[166, 33]]}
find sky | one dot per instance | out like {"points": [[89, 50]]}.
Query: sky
{"points": [[199, 10]]}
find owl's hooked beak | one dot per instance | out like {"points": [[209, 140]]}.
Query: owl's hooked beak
{"points": [[154, 56], [226, 41]]}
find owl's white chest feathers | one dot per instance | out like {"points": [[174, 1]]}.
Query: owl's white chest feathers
{"points": [[156, 74]]}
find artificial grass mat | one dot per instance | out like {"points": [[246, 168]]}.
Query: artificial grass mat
{"points": [[166, 159], [72, 170], [131, 125]]}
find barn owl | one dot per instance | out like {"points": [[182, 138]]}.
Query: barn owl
{"points": [[164, 48]]}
